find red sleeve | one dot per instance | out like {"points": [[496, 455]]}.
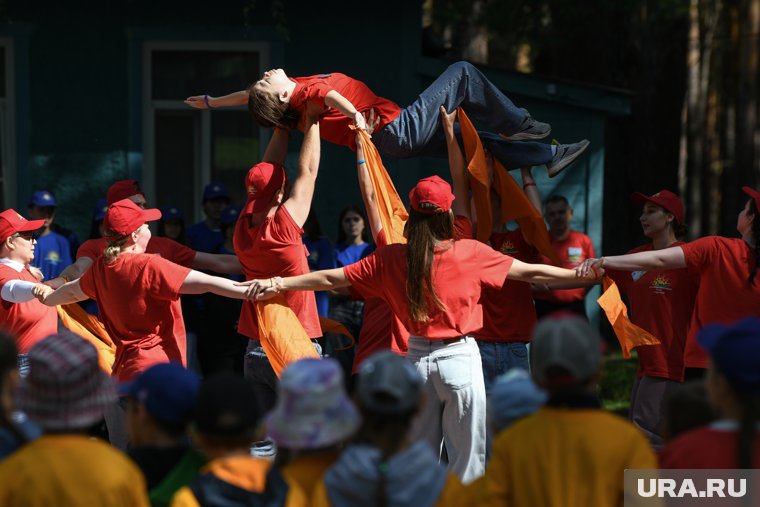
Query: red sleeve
{"points": [[699, 252], [92, 248], [381, 240], [284, 229], [316, 92], [493, 266], [366, 275], [164, 278], [462, 227], [87, 282], [180, 254]]}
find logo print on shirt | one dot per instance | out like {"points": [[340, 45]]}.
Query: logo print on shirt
{"points": [[508, 248], [637, 274], [574, 254], [53, 257], [660, 284]]}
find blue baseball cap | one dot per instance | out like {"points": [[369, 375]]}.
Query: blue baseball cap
{"points": [[100, 210], [167, 391], [215, 191], [734, 350], [42, 198], [230, 215], [171, 212]]}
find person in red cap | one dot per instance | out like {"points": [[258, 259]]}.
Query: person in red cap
{"points": [[661, 302], [434, 284], [91, 249], [138, 294], [729, 284], [22, 316], [268, 241]]}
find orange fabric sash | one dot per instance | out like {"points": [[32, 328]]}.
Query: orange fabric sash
{"points": [[81, 323], [628, 334], [333, 326]]}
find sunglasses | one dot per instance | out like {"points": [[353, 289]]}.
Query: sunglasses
{"points": [[27, 235]]}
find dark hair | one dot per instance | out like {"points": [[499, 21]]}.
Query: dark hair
{"points": [[269, 111], [750, 408], [311, 228], [557, 198], [423, 230], [756, 238], [680, 230], [8, 363], [181, 238], [685, 408], [341, 233]]}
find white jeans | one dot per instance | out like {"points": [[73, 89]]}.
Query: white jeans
{"points": [[455, 402]]}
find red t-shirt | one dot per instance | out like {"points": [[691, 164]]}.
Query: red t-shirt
{"points": [[274, 248], [28, 322], [573, 250], [165, 247], [460, 272], [509, 314], [333, 125], [381, 329], [661, 302], [138, 302], [712, 446], [724, 295]]}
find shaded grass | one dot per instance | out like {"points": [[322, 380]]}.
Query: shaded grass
{"points": [[616, 382]]}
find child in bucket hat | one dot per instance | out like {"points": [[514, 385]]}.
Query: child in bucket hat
{"points": [[733, 389], [313, 417], [382, 463], [66, 393]]}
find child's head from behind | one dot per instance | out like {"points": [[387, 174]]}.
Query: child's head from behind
{"points": [[226, 415], [565, 354]]}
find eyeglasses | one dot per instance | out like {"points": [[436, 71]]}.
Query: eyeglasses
{"points": [[31, 236]]}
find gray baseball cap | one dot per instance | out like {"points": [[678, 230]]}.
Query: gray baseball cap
{"points": [[568, 342], [388, 384]]}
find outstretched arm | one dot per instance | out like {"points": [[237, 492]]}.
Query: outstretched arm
{"points": [[71, 272], [233, 99], [457, 166], [543, 273], [299, 202], [218, 263], [66, 294], [327, 279], [277, 149], [368, 191], [200, 283], [342, 104], [667, 258]]}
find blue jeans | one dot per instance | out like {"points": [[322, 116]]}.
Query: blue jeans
{"points": [[500, 357], [416, 131], [454, 410]]}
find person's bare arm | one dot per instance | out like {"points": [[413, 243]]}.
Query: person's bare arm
{"points": [[368, 191], [71, 272], [342, 104], [233, 99], [543, 273], [66, 294], [667, 258], [218, 263], [326, 279], [277, 148], [200, 283], [457, 166], [299, 202], [530, 188]]}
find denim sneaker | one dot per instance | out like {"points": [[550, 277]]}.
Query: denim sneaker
{"points": [[565, 155], [530, 129]]}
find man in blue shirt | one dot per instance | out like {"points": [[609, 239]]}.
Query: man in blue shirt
{"points": [[206, 236], [52, 253]]}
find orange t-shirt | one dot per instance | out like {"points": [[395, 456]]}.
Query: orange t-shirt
{"points": [[573, 250], [275, 248], [509, 314], [381, 329], [28, 322], [724, 295], [165, 247], [460, 273], [333, 125], [138, 302], [661, 302]]}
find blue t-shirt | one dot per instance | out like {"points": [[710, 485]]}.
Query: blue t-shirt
{"points": [[202, 239], [52, 254], [321, 256], [348, 254]]}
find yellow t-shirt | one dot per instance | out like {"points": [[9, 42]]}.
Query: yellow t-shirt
{"points": [[566, 458], [71, 470]]}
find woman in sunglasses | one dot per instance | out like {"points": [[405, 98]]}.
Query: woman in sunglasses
{"points": [[25, 318]]}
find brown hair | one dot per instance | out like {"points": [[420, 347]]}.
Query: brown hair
{"points": [[423, 230], [269, 111], [756, 238]]}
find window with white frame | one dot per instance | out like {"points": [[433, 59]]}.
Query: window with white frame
{"points": [[185, 148]]}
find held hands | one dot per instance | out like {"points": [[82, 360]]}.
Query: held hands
{"points": [[260, 290], [592, 269], [41, 291], [359, 121]]}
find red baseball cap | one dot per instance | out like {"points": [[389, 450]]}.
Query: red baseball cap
{"points": [[125, 217], [123, 189], [431, 190], [262, 182], [754, 194], [11, 223], [665, 199]]}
